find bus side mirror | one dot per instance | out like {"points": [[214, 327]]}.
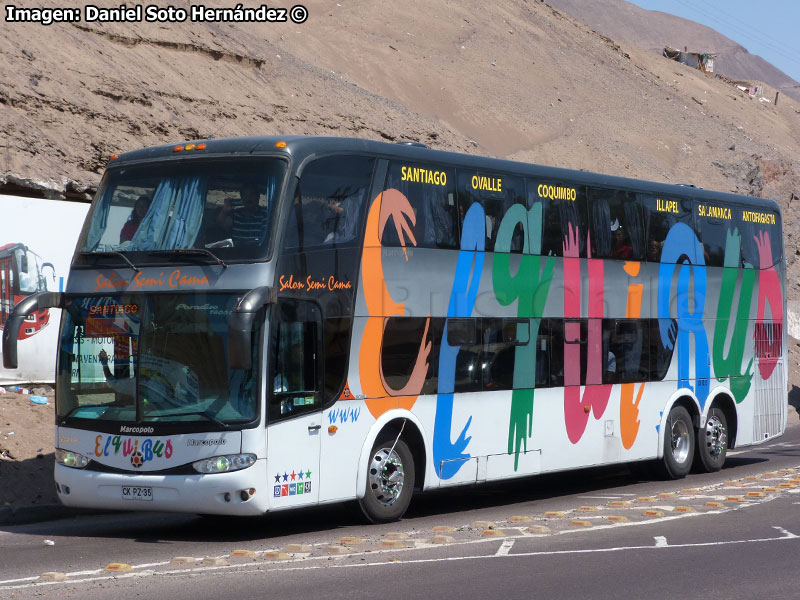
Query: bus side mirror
{"points": [[33, 303], [240, 355]]}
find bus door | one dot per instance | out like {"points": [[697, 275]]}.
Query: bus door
{"points": [[6, 288], [294, 416]]}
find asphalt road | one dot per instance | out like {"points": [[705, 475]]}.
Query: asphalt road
{"points": [[598, 533]]}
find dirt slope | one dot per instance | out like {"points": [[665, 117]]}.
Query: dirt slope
{"points": [[26, 450]]}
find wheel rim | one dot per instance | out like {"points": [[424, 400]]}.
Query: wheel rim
{"points": [[716, 436], [386, 476], [680, 441]]}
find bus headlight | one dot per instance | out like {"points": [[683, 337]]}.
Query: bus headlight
{"points": [[224, 464], [71, 459]]}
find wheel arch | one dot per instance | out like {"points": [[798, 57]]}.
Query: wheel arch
{"points": [[392, 422]]}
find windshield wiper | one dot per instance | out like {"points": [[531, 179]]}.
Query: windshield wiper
{"points": [[200, 413], [190, 251], [113, 253]]}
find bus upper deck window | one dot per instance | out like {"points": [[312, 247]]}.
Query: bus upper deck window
{"points": [[564, 218], [329, 203], [616, 223], [430, 191], [760, 232], [661, 214], [496, 193]]}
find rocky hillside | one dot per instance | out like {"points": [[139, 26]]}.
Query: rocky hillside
{"points": [[522, 80]]}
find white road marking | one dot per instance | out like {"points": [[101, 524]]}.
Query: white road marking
{"points": [[20, 580], [394, 564], [97, 574], [505, 548], [661, 541], [788, 534], [92, 575]]}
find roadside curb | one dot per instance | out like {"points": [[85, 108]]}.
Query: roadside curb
{"points": [[21, 515]]}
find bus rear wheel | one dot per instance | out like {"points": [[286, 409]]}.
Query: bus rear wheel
{"points": [[712, 442], [390, 480], [678, 444]]}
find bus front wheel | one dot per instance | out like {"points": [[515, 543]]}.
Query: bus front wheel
{"points": [[712, 442], [678, 444], [390, 480]]}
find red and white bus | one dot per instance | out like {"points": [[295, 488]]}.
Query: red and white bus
{"points": [[22, 274]]}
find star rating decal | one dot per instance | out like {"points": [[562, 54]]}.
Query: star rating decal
{"points": [[302, 487]]}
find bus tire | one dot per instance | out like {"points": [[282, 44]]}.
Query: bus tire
{"points": [[678, 444], [390, 480], [712, 442]]}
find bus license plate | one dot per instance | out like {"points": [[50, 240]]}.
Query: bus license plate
{"points": [[137, 493]]}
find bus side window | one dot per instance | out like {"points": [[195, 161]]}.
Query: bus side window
{"points": [[330, 203], [402, 337], [431, 385], [543, 355], [576, 333], [496, 193], [337, 349], [755, 224], [712, 224], [660, 357], [617, 230], [431, 192], [500, 340], [564, 219], [465, 333], [626, 348], [555, 329], [294, 359], [662, 213]]}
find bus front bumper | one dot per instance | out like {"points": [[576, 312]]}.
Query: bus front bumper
{"points": [[241, 493]]}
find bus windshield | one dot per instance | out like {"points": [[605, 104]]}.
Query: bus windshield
{"points": [[29, 267], [222, 206], [155, 359]]}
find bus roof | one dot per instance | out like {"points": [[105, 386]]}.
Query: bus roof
{"points": [[9, 249], [302, 148]]}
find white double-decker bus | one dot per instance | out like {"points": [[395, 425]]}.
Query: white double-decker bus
{"points": [[259, 324]]}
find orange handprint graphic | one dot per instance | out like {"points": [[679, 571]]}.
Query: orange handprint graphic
{"points": [[391, 203]]}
